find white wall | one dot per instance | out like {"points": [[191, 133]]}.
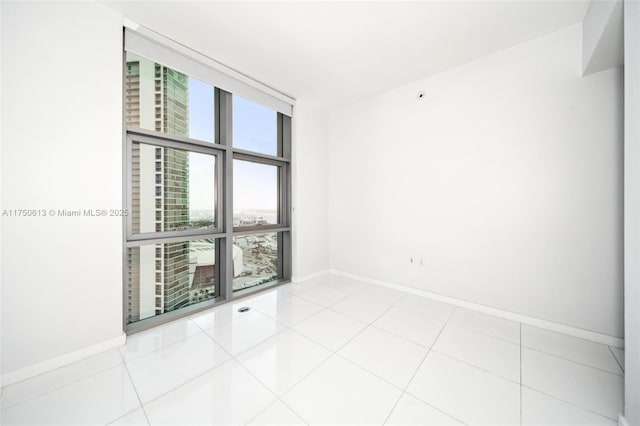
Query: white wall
{"points": [[1, 108], [310, 190], [61, 143], [506, 181], [61, 148], [602, 36], [632, 212]]}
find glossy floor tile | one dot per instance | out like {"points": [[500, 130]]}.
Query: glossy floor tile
{"points": [[323, 295], [341, 393], [386, 355], [426, 307], [283, 360], [481, 350], [268, 297], [135, 418], [226, 395], [382, 293], [60, 377], [344, 283], [244, 332], [277, 414], [147, 341], [361, 307], [409, 325], [465, 392], [578, 384], [330, 329], [541, 409], [160, 371], [291, 310], [411, 411], [297, 288], [571, 348], [332, 350], [486, 324], [230, 311], [95, 400]]}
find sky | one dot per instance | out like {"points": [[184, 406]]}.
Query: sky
{"points": [[254, 129]]}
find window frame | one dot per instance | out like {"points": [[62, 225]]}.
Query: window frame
{"points": [[161, 140], [222, 148], [282, 170]]}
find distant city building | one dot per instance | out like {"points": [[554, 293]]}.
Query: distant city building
{"points": [[169, 276], [159, 278]]}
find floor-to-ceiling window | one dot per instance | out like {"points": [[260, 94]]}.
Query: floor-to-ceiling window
{"points": [[207, 176]]}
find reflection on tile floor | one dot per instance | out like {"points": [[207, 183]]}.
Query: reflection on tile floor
{"points": [[332, 351]]}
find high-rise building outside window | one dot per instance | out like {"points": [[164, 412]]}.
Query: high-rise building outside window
{"points": [[208, 181]]}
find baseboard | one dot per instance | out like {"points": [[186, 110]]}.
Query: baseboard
{"points": [[524, 319], [21, 374], [310, 276]]}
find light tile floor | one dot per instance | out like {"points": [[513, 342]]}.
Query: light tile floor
{"points": [[332, 351]]}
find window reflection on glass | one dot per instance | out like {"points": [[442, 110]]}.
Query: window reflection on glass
{"points": [[165, 277], [172, 189], [255, 260], [255, 194], [165, 100], [255, 128]]}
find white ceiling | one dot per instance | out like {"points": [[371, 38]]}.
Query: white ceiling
{"points": [[336, 52]]}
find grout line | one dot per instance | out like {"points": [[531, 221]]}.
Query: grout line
{"points": [[593, 342], [285, 328], [198, 376], [480, 333], [381, 315], [57, 388], [401, 337], [574, 361], [483, 333], [616, 358], [476, 367], [369, 323], [355, 364], [308, 374], [293, 411], [569, 403], [334, 353], [271, 405], [407, 385], [277, 398], [128, 413], [135, 389], [330, 304], [430, 349], [163, 346], [437, 409], [393, 408]]}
